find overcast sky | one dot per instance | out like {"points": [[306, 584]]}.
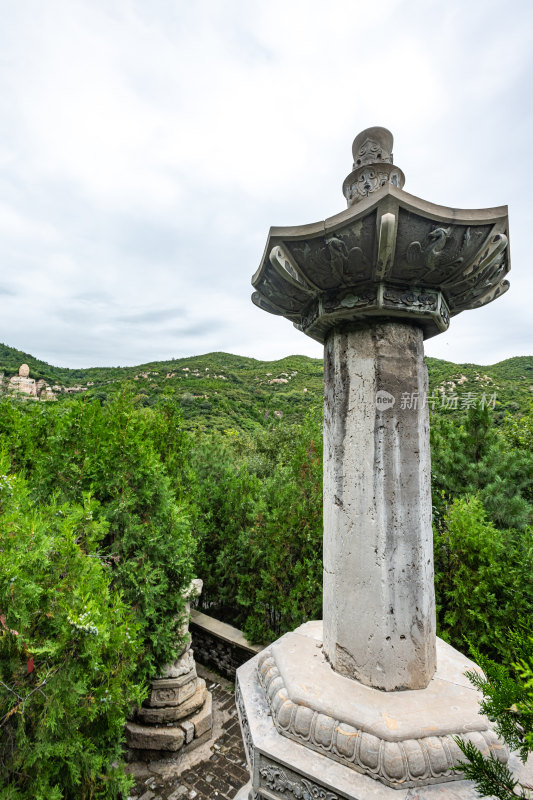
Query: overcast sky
{"points": [[146, 146]]}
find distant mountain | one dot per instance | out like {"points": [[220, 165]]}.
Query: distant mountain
{"points": [[224, 391]]}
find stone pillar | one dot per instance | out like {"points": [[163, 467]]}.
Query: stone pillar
{"points": [[379, 606], [177, 715], [371, 695]]}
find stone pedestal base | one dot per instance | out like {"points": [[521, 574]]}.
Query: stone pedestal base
{"points": [[310, 732], [159, 730], [159, 740]]}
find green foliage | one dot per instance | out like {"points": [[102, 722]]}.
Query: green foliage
{"points": [[97, 549], [508, 691], [69, 647], [284, 546], [519, 434], [130, 459], [492, 778], [227, 497], [477, 458], [478, 568], [260, 526], [508, 702]]}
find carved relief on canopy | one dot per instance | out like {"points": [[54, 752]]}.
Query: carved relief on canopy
{"points": [[372, 165], [353, 267]]}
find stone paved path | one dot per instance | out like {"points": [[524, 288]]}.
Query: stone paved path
{"points": [[215, 771]]}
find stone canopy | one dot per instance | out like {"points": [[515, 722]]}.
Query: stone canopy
{"points": [[389, 256]]}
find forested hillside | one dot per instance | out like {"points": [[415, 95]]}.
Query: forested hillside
{"points": [[222, 391]]}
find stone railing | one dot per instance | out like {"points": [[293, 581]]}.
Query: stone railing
{"points": [[219, 645]]}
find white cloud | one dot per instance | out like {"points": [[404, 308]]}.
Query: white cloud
{"points": [[145, 149]]}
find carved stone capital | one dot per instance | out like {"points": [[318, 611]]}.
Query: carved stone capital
{"points": [[378, 302]]}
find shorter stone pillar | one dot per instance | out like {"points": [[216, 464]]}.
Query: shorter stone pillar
{"points": [[178, 711]]}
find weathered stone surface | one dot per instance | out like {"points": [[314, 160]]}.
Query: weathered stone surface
{"points": [[203, 719], [222, 630], [244, 792], [179, 794], [187, 641], [193, 590], [172, 691], [173, 683], [171, 696], [219, 645], [402, 738], [160, 716], [181, 666], [142, 737], [160, 760], [23, 384], [379, 607], [188, 729], [372, 165], [282, 767]]}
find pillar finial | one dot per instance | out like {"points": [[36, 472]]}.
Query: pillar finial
{"points": [[372, 165]]}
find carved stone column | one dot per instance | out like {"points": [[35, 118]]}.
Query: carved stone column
{"points": [[379, 606], [368, 702]]}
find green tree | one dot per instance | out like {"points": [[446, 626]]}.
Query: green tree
{"points": [[69, 647], [260, 526], [478, 568], [282, 587], [508, 701], [129, 458], [228, 498], [477, 458]]}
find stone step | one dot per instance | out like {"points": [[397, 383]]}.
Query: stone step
{"points": [[203, 719], [160, 716], [144, 737]]}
